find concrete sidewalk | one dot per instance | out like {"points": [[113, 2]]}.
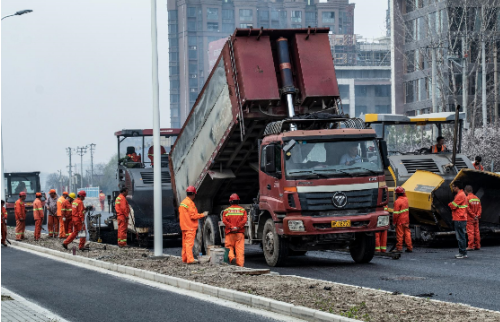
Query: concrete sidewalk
{"points": [[16, 308]]}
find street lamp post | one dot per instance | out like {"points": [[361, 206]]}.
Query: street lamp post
{"points": [[18, 13]]}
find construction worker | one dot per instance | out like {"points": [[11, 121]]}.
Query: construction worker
{"points": [[439, 146], [477, 163], [401, 219], [381, 239], [67, 214], [459, 216], [235, 218], [60, 202], [53, 223], [151, 153], [122, 212], [20, 212], [4, 224], [474, 210], [102, 198], [38, 215], [78, 218], [188, 219]]}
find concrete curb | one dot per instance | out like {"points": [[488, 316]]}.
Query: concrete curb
{"points": [[257, 302]]}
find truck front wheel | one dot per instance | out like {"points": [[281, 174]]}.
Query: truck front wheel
{"points": [[211, 234], [275, 247], [362, 248]]}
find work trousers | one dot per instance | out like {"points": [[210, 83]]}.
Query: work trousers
{"points": [[461, 236], [188, 237], [102, 205], [38, 228], [403, 233], [62, 232], [381, 241], [122, 230], [473, 234], [4, 232], [68, 227], [20, 226], [77, 226], [236, 244], [53, 226]]}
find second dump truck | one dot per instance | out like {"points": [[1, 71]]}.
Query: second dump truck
{"points": [[268, 126]]}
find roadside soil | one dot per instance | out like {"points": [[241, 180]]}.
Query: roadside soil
{"points": [[349, 301]]}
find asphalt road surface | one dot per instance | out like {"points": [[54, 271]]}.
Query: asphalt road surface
{"points": [[428, 272], [79, 294]]}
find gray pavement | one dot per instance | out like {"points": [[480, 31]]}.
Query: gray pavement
{"points": [[427, 272], [79, 294]]}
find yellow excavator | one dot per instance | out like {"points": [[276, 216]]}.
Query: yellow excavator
{"points": [[427, 176]]}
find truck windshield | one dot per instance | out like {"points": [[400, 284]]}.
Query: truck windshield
{"points": [[143, 149], [324, 159], [418, 139], [22, 183]]}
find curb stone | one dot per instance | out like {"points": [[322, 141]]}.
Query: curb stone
{"points": [[258, 302]]}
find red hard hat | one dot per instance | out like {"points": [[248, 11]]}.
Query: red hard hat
{"points": [[38, 194], [82, 193], [191, 189], [234, 197], [400, 190], [22, 193], [65, 193], [52, 191]]}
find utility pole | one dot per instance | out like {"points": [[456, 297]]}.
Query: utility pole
{"points": [[92, 147], [81, 150], [483, 82], [70, 169], [434, 82], [495, 81], [60, 181], [465, 86]]}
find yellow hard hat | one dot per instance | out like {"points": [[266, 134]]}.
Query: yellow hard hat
{"points": [[72, 195]]}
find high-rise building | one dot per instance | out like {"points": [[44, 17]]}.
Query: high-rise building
{"points": [[194, 24]]}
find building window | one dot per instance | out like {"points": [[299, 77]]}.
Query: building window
{"points": [[193, 95], [360, 91], [360, 110], [193, 82], [172, 15], [174, 112], [212, 26], [227, 14], [191, 12], [382, 109], [173, 70], [409, 92], [192, 54], [212, 13], [328, 17], [193, 67], [191, 41], [174, 84], [275, 15], [295, 26], [191, 25], [246, 25], [296, 16], [227, 27], [173, 57], [172, 28], [344, 91], [311, 18], [383, 91], [246, 15], [174, 98], [264, 14]]}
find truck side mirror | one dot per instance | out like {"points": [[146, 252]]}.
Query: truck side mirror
{"points": [[270, 166], [383, 151]]}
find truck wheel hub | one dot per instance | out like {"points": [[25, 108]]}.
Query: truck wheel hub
{"points": [[269, 245]]}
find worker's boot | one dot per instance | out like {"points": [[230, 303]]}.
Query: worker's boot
{"points": [[233, 261], [397, 251], [84, 248], [193, 262], [65, 246]]}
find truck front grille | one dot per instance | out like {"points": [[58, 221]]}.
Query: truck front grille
{"points": [[322, 201]]}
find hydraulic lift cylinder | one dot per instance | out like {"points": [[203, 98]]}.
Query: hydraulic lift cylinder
{"points": [[288, 88]]}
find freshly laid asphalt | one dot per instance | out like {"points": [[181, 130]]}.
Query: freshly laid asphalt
{"points": [[79, 294], [428, 272]]}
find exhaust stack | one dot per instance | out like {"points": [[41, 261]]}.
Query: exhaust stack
{"points": [[286, 77]]}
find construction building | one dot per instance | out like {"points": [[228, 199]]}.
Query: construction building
{"points": [[194, 24]]}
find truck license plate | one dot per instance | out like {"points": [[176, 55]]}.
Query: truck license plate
{"points": [[341, 223]]}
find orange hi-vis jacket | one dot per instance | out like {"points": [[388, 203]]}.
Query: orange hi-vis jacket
{"points": [[66, 210], [478, 166], [60, 202], [474, 209], [77, 211], [102, 197], [37, 209], [459, 207], [188, 215], [234, 216], [4, 215], [20, 210], [435, 148], [121, 206], [401, 213]]}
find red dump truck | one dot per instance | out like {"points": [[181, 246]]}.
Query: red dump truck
{"points": [[268, 126]]}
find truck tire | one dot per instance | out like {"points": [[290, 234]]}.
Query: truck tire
{"points": [[297, 252], [362, 249], [275, 247], [211, 233], [198, 240]]}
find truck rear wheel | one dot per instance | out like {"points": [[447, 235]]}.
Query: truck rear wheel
{"points": [[211, 234], [362, 249], [275, 247], [198, 240]]}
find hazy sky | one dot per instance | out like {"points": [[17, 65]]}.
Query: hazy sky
{"points": [[74, 72]]}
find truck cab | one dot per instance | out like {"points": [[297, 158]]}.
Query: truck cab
{"points": [[16, 182]]}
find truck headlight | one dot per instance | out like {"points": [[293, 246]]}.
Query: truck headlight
{"points": [[296, 225], [382, 221]]}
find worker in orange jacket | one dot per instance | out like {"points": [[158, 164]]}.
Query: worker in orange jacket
{"points": [[477, 163], [78, 218], [20, 212], [4, 224], [67, 215], [188, 219], [235, 218], [102, 198], [60, 202], [53, 220], [381, 239], [459, 216], [439, 146], [151, 153], [401, 219], [474, 210], [38, 215], [122, 212]]}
